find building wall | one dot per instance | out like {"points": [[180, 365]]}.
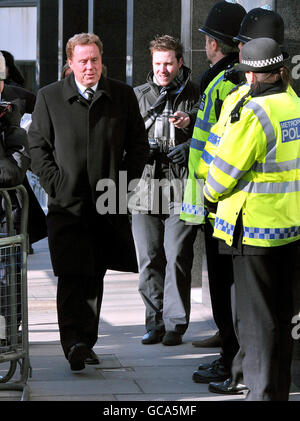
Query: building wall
{"points": [[289, 10], [151, 18]]}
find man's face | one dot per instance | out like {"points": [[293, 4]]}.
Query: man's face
{"points": [[165, 66], [209, 49], [86, 64]]}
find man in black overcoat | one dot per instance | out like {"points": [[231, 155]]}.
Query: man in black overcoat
{"points": [[77, 139]]}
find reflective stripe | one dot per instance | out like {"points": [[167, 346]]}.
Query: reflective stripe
{"points": [[224, 226], [271, 233], [269, 188], [270, 165], [214, 139], [267, 128], [204, 123], [207, 192], [219, 188], [197, 144], [266, 167], [193, 209], [207, 157], [259, 233], [210, 104], [228, 169]]}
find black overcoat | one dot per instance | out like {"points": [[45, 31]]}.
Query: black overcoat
{"points": [[74, 145]]}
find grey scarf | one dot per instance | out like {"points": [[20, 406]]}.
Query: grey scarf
{"points": [[160, 111]]}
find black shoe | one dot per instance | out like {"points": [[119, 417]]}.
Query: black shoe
{"points": [[152, 337], [92, 358], [172, 338], [227, 388], [212, 342], [215, 363], [77, 355], [213, 374]]}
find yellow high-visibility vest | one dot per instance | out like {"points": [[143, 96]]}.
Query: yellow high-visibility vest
{"points": [[192, 207], [256, 171]]}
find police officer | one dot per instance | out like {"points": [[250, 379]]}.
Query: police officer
{"points": [[254, 177], [222, 24], [257, 22]]}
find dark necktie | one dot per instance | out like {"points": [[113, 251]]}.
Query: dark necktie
{"points": [[90, 94]]}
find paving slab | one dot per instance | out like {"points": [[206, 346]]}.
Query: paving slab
{"points": [[128, 371]]}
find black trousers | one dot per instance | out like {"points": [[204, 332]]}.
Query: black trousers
{"points": [[78, 309], [264, 306], [221, 280]]}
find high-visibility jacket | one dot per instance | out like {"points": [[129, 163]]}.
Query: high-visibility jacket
{"points": [[257, 172], [199, 161], [213, 97], [217, 130]]}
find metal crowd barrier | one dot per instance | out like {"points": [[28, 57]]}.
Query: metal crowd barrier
{"points": [[14, 344]]}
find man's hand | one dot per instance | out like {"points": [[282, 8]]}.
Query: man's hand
{"points": [[182, 122], [179, 154]]}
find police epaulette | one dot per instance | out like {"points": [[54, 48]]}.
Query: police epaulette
{"points": [[233, 75], [235, 113], [235, 88]]}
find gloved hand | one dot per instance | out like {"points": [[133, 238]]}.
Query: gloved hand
{"points": [[179, 154], [211, 207]]}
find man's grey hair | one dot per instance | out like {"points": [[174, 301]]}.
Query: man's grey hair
{"points": [[82, 39]]}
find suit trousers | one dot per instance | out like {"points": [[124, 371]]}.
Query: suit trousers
{"points": [[79, 301], [264, 306], [165, 252], [221, 281]]}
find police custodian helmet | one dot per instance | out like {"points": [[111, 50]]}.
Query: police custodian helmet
{"points": [[259, 23], [261, 55], [223, 21]]}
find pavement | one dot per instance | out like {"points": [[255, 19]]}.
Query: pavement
{"points": [[128, 371]]}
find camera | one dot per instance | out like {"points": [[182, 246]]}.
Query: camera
{"points": [[161, 145], [9, 115], [5, 108]]}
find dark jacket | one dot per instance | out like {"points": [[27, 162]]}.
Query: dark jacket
{"points": [[162, 167], [22, 97], [14, 156], [14, 159], [73, 146], [148, 93], [37, 228]]}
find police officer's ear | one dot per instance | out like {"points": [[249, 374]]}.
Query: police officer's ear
{"points": [[251, 78]]}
